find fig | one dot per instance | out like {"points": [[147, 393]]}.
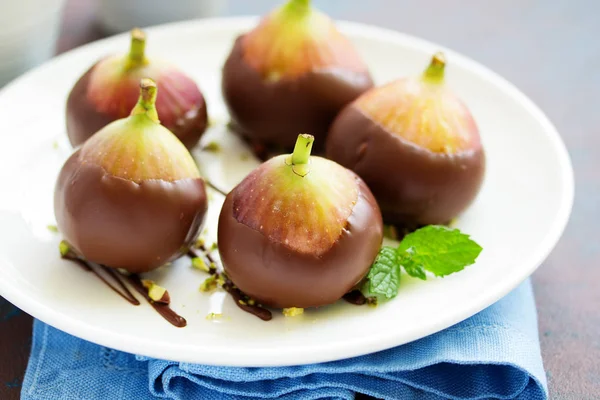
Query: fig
{"points": [[291, 73], [109, 89], [299, 230], [131, 197], [416, 145]]}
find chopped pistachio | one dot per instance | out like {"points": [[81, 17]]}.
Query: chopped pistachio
{"points": [[155, 292], [293, 311], [64, 248], [242, 302], [52, 228], [213, 315], [213, 147], [251, 302], [200, 242], [209, 284], [213, 265], [147, 283], [221, 279], [198, 263], [372, 301]]}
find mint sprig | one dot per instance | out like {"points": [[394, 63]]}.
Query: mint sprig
{"points": [[438, 249], [413, 269], [384, 275]]}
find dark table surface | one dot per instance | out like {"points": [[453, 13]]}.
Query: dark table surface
{"points": [[550, 50]]}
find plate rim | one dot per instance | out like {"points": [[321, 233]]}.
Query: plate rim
{"points": [[343, 349]]}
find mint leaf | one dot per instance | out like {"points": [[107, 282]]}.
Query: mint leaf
{"points": [[384, 276], [413, 269], [438, 249]]}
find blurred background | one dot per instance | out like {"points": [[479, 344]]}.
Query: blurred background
{"points": [[548, 48]]}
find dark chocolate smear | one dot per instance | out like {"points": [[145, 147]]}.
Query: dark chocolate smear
{"points": [[240, 301], [355, 297], [121, 290], [212, 266], [163, 309]]}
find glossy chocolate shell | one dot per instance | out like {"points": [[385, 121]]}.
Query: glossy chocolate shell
{"points": [[413, 185], [274, 275], [123, 224], [273, 113]]}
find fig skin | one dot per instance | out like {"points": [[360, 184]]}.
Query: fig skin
{"points": [[273, 272], [271, 113], [84, 118], [123, 224], [413, 185]]}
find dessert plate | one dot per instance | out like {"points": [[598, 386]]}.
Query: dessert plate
{"points": [[518, 216]]}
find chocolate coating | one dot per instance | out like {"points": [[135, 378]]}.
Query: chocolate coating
{"points": [[83, 119], [413, 185], [274, 113], [122, 224], [275, 275], [191, 125]]}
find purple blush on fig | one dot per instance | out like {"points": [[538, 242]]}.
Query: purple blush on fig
{"points": [[108, 91]]}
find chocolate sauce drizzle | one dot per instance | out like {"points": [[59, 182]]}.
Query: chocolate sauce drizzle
{"points": [[163, 309], [121, 289], [241, 300], [355, 297]]}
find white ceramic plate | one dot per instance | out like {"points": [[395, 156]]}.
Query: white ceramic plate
{"points": [[517, 218]]}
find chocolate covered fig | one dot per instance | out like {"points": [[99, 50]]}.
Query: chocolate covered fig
{"points": [[131, 197], [299, 230], [292, 73], [416, 145], [109, 90]]}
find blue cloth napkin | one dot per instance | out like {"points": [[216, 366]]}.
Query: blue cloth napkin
{"points": [[492, 355]]}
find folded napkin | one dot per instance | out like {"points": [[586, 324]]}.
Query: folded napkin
{"points": [[492, 355]]}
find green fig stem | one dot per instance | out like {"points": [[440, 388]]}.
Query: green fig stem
{"points": [[147, 101], [297, 7], [299, 159], [302, 149], [435, 71], [137, 50]]}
